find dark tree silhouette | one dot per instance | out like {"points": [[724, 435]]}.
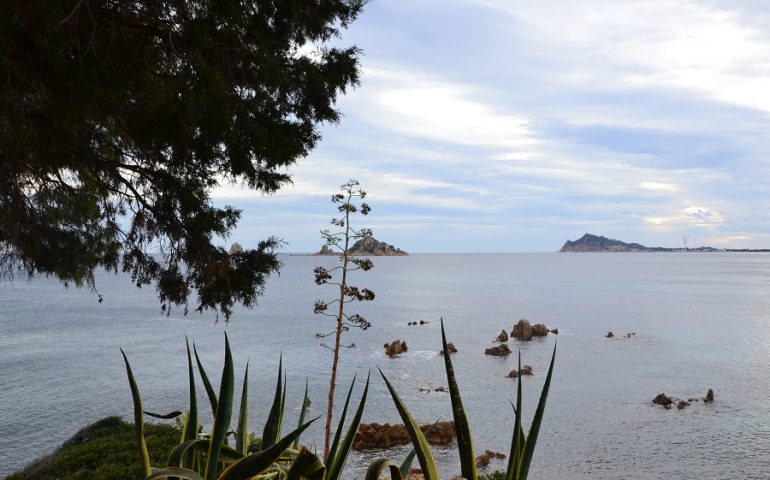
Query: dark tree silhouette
{"points": [[119, 117]]}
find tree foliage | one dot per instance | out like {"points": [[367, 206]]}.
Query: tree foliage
{"points": [[119, 117]]}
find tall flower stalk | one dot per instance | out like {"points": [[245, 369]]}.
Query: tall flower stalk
{"points": [[348, 202]]}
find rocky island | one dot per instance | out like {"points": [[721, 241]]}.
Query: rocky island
{"points": [[598, 243], [367, 246]]}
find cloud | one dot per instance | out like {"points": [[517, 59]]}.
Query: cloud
{"points": [[689, 216]]}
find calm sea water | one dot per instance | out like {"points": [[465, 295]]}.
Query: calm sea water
{"points": [[702, 321]]}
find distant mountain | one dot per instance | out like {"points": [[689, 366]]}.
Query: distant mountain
{"points": [[367, 246], [597, 243]]}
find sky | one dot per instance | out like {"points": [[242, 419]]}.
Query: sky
{"points": [[511, 126]]}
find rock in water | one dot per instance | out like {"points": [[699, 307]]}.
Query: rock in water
{"points": [[662, 399], [610, 335], [709, 396], [498, 351], [451, 347], [503, 337], [539, 330], [375, 435], [395, 348], [525, 370], [522, 330], [367, 246]]}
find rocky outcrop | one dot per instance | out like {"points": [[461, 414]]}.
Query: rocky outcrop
{"points": [[449, 346], [555, 331], [503, 337], [525, 370], [524, 331], [394, 348], [374, 435], [498, 351], [709, 396], [367, 246]]}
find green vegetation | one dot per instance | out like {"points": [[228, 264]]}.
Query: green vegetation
{"points": [[209, 456], [341, 241], [105, 450], [118, 118]]}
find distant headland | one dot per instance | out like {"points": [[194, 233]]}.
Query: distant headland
{"points": [[598, 243], [367, 246]]}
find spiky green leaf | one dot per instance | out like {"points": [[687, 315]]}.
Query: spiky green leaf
{"points": [[462, 427], [302, 413], [306, 466], [223, 415], [190, 431], [272, 429], [424, 455], [341, 423], [138, 418], [341, 454], [206, 383], [257, 463], [242, 433], [534, 429], [374, 472]]}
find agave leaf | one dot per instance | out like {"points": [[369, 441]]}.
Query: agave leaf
{"points": [[424, 455], [306, 465], [190, 431], [223, 415], [272, 429], [534, 429], [462, 427], [138, 418], [164, 416], [376, 467], [518, 440], [175, 472], [179, 451], [338, 433], [406, 465], [302, 413], [341, 456], [241, 435], [206, 383], [254, 464]]}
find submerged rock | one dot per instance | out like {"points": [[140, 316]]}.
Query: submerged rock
{"points": [[682, 404]]}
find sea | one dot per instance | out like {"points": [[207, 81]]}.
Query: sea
{"points": [[697, 321]]}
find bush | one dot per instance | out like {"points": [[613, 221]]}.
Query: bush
{"points": [[105, 450]]}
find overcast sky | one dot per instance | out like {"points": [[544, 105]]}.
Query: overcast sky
{"points": [[512, 125]]}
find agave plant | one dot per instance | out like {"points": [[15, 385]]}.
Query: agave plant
{"points": [[522, 446], [209, 457]]}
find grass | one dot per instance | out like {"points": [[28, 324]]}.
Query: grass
{"points": [[105, 450]]}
